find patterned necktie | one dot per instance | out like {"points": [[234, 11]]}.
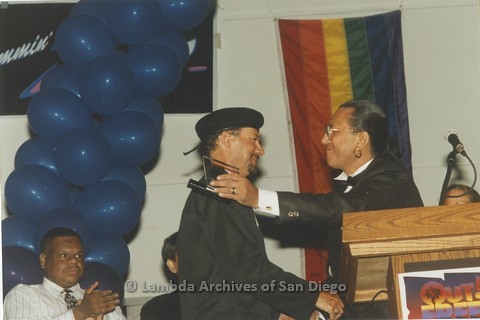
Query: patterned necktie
{"points": [[70, 300]]}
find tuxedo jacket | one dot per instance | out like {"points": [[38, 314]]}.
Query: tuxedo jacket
{"points": [[385, 184], [162, 307], [220, 244]]}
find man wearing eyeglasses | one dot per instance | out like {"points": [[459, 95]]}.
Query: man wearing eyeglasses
{"points": [[371, 179]]}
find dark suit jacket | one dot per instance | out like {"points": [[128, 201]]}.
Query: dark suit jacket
{"points": [[163, 307], [219, 243], [383, 185]]}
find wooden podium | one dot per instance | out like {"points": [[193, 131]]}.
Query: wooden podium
{"points": [[378, 245]]}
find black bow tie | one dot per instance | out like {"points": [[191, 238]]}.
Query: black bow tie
{"points": [[352, 181], [341, 185]]}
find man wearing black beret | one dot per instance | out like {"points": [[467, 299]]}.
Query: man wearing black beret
{"points": [[221, 249]]}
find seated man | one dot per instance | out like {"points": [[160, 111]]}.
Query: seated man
{"points": [[460, 194], [60, 295], [165, 306]]}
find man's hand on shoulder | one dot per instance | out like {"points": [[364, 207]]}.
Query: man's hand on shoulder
{"points": [[238, 188]]}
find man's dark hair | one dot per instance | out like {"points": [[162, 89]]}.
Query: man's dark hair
{"points": [[209, 142], [169, 249], [370, 118], [54, 233], [472, 194]]}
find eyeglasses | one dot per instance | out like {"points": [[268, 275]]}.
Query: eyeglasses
{"points": [[329, 131]]}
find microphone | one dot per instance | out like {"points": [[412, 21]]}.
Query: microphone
{"points": [[452, 137]]}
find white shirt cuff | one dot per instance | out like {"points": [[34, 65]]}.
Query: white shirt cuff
{"points": [[268, 203]]}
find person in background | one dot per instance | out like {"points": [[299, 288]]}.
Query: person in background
{"points": [[165, 306], [60, 296], [460, 194], [220, 246], [355, 140]]}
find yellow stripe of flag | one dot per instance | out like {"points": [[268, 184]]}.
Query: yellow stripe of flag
{"points": [[337, 62]]}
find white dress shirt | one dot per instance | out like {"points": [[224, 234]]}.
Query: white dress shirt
{"points": [[268, 200], [44, 301]]}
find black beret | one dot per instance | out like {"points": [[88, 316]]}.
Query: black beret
{"points": [[228, 118]]}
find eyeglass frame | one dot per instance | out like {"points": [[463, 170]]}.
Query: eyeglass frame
{"points": [[329, 131]]}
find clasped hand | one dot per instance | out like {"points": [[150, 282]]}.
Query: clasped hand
{"points": [[96, 303]]}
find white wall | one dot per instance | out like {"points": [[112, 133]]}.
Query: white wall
{"points": [[441, 48]]}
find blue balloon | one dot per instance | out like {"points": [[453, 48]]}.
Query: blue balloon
{"points": [[112, 252], [73, 193], [20, 265], [112, 208], [107, 85], [106, 276], [133, 137], [83, 156], [54, 111], [94, 8], [134, 22], [156, 68], [32, 190], [64, 217], [63, 77], [36, 150], [175, 41], [150, 107], [132, 176], [16, 232], [183, 14], [82, 38]]}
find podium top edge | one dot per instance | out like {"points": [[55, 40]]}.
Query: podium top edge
{"points": [[408, 223]]}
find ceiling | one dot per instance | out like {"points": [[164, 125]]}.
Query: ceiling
{"points": [[248, 9]]}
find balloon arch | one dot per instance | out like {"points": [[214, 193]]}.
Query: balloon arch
{"points": [[95, 121]]}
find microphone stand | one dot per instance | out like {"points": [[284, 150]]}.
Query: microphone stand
{"points": [[450, 163]]}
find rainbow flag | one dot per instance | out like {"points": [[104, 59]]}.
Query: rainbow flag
{"points": [[328, 62]]}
